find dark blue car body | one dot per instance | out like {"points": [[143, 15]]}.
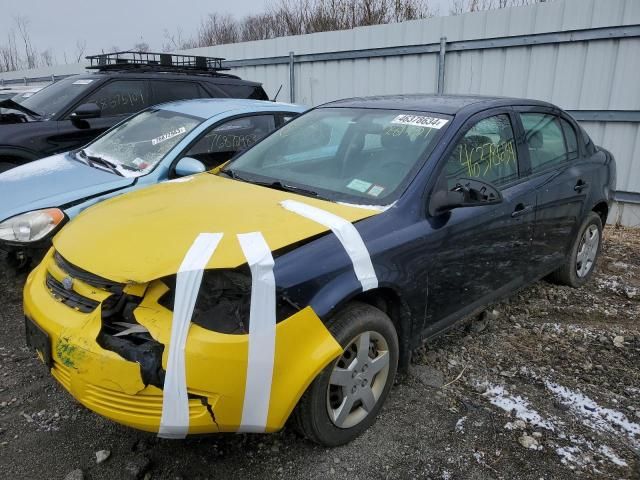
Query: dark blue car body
{"points": [[436, 269]]}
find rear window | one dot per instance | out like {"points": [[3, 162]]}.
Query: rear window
{"points": [[252, 92], [167, 91]]}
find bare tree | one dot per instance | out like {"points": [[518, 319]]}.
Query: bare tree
{"points": [[31, 56], [46, 58], [141, 47], [463, 6], [81, 46], [217, 29], [9, 56]]}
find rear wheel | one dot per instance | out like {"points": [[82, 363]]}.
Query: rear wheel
{"points": [[344, 400], [581, 262]]}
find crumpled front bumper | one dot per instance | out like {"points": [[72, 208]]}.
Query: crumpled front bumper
{"points": [[216, 363]]}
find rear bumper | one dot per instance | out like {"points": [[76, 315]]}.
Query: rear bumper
{"points": [[216, 364]]}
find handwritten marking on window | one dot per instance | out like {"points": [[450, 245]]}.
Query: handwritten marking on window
{"points": [[483, 158], [232, 141]]}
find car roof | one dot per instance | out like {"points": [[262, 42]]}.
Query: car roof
{"points": [[444, 104], [206, 77], [210, 107]]}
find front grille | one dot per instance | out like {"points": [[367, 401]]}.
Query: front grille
{"points": [[86, 277], [70, 297]]}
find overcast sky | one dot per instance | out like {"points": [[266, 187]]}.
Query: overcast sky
{"points": [[58, 24]]}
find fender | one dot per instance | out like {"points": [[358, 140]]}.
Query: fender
{"points": [[345, 287]]}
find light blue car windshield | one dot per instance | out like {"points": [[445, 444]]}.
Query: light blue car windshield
{"points": [[139, 144]]}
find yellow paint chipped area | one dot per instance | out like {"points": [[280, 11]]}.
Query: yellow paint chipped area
{"points": [[144, 235], [73, 334], [216, 363]]}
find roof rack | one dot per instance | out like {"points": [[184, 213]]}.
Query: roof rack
{"points": [[161, 62]]}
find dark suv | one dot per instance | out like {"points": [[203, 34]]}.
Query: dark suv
{"points": [[75, 110]]}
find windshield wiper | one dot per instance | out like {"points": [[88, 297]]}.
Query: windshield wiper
{"points": [[102, 162], [277, 185]]}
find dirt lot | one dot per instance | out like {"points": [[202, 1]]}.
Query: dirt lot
{"points": [[545, 385]]}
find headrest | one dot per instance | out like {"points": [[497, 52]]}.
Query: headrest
{"points": [[474, 141]]}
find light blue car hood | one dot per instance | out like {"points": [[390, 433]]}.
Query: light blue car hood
{"points": [[53, 182]]}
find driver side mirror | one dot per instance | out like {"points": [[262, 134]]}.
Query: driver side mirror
{"points": [[189, 166], [468, 192], [86, 111]]}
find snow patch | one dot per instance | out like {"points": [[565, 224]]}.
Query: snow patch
{"points": [[611, 455], [593, 415], [460, 424], [499, 397]]}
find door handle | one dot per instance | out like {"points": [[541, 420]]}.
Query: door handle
{"points": [[521, 209], [581, 185]]}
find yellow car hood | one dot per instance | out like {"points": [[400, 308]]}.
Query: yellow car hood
{"points": [[145, 234]]}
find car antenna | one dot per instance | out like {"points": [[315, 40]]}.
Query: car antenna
{"points": [[277, 93]]}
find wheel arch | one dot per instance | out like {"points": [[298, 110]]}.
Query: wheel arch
{"points": [[21, 155], [386, 297], [602, 209]]}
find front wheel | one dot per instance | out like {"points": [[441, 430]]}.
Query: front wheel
{"points": [[583, 255], [344, 400]]}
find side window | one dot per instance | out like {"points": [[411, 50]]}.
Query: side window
{"points": [[486, 152], [227, 139], [570, 137], [167, 91], [120, 97], [545, 140]]}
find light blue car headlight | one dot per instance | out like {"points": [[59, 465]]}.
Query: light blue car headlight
{"points": [[31, 226]]}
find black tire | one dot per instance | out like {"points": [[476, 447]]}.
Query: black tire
{"points": [[568, 273], [311, 417]]}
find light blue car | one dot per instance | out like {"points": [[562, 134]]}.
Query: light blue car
{"points": [[160, 143]]}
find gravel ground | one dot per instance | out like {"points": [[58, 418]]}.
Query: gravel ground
{"points": [[544, 385]]}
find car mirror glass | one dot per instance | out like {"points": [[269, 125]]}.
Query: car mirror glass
{"points": [[86, 111], [189, 166], [467, 192]]}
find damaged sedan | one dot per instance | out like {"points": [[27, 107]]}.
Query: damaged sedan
{"points": [[293, 282]]}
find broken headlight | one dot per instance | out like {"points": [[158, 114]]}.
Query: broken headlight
{"points": [[31, 226], [224, 301]]}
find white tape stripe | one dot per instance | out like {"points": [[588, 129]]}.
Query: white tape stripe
{"points": [[348, 236], [262, 332], [174, 422]]}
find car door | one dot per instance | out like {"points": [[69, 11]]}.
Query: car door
{"points": [[562, 180], [117, 99], [479, 252], [227, 138]]}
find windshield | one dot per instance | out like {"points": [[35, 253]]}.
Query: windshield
{"points": [[355, 155], [136, 146], [57, 96]]}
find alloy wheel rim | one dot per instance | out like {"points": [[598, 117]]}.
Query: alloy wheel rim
{"points": [[358, 379], [587, 251]]}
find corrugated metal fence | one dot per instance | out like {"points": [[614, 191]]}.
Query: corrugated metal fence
{"points": [[583, 55]]}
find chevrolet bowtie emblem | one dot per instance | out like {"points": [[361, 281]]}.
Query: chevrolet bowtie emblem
{"points": [[67, 283]]}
